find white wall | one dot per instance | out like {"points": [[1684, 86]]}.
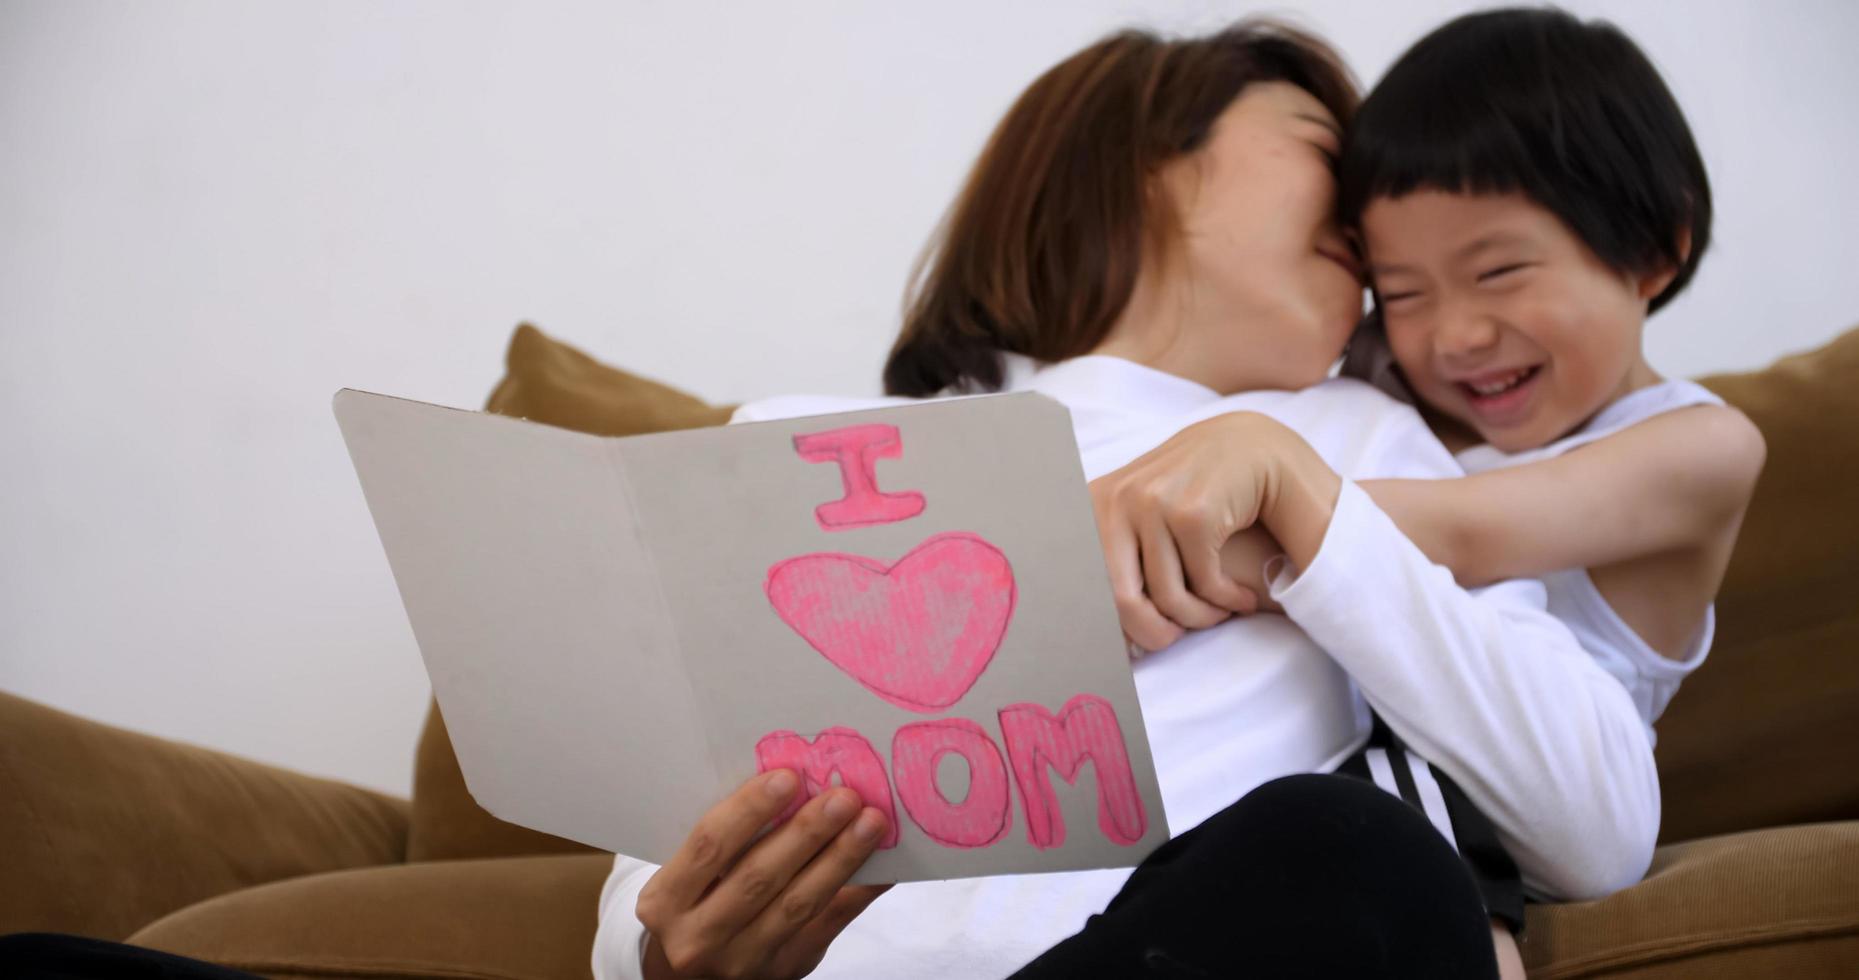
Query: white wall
{"points": [[213, 215]]}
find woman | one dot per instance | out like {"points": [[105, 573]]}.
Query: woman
{"points": [[1149, 239]]}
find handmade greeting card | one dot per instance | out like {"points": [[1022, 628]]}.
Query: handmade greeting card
{"points": [[910, 602]]}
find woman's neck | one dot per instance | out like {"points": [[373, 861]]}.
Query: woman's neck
{"points": [[1160, 328]]}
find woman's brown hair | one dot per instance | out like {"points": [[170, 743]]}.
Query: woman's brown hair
{"points": [[1040, 252]]}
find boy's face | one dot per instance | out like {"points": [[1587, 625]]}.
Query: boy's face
{"points": [[1500, 317]]}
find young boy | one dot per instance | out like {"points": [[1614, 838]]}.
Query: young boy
{"points": [[1526, 192]]}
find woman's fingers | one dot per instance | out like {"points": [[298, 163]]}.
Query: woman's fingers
{"points": [[1201, 525], [1163, 576], [817, 904], [798, 852], [721, 834], [1142, 623], [808, 947], [1243, 559], [770, 891]]}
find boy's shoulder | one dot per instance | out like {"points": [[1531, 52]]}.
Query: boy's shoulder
{"points": [[1720, 445], [1689, 416]]}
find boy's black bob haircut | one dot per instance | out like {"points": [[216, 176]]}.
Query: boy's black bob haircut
{"points": [[1532, 100]]}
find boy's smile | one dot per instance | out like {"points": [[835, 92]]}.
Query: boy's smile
{"points": [[1502, 318], [1500, 397]]}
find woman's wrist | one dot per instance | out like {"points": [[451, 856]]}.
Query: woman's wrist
{"points": [[1300, 497]]}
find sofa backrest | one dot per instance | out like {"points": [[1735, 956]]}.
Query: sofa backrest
{"points": [[1766, 732], [1761, 735]]}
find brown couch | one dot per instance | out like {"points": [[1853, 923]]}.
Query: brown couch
{"points": [[108, 833]]}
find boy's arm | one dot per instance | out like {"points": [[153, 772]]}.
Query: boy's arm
{"points": [[1669, 483]]}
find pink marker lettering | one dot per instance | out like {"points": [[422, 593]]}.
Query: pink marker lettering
{"points": [[857, 449], [981, 817], [836, 750], [1086, 728], [918, 633]]}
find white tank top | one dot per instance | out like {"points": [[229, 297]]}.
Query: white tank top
{"points": [[1649, 677]]}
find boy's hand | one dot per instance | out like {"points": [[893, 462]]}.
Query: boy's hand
{"points": [[730, 905]]}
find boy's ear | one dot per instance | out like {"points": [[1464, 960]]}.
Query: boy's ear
{"points": [[1654, 281]]}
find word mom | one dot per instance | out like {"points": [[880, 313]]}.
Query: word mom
{"points": [[918, 633], [1037, 741]]}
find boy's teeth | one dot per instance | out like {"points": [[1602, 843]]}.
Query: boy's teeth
{"points": [[1499, 386]]}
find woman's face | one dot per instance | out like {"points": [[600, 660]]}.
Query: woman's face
{"points": [[1270, 285]]}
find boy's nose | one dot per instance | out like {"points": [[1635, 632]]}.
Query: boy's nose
{"points": [[1464, 336]]}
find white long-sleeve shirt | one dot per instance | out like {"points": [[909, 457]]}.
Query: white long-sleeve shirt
{"points": [[1486, 684]]}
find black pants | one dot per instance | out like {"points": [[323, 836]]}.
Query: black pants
{"points": [[50, 956], [1318, 876], [1390, 765]]}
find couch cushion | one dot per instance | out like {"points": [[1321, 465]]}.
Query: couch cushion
{"points": [[528, 918], [1767, 903], [1781, 902], [102, 830], [447, 823], [549, 382], [1762, 734]]}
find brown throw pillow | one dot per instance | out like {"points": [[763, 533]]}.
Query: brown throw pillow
{"points": [[550, 382]]}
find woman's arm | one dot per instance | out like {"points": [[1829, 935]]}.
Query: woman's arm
{"points": [[1495, 692], [1486, 685], [1670, 483]]}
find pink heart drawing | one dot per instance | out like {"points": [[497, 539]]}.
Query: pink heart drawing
{"points": [[918, 633]]}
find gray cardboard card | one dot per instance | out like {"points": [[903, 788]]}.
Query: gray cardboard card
{"points": [[910, 601]]}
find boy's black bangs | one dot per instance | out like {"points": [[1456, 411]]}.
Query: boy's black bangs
{"points": [[1472, 109], [1450, 139], [1533, 101]]}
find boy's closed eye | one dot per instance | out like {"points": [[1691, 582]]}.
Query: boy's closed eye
{"points": [[1499, 273]]}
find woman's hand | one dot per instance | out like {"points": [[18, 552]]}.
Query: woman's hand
{"points": [[1243, 558], [730, 905], [1183, 526]]}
